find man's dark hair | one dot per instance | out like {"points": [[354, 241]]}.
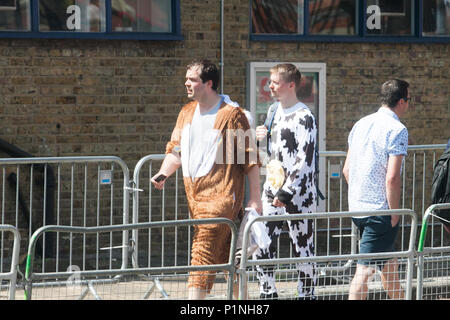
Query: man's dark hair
{"points": [[208, 71], [392, 91]]}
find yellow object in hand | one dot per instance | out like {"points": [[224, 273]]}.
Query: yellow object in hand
{"points": [[275, 173]]}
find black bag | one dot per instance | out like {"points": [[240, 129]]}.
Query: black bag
{"points": [[440, 186]]}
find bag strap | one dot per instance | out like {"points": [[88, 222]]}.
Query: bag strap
{"points": [[270, 116], [269, 121]]}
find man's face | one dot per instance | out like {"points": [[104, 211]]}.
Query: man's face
{"points": [[278, 87], [406, 103], [194, 85]]}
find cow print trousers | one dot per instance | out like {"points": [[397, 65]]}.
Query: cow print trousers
{"points": [[301, 236]]}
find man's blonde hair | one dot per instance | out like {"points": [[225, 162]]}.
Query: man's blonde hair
{"points": [[288, 72]]}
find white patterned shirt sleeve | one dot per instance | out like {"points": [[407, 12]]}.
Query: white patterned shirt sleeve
{"points": [[398, 145]]}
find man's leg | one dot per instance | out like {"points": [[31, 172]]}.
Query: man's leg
{"points": [[200, 284], [301, 233], [391, 281], [265, 274], [359, 287], [196, 293]]}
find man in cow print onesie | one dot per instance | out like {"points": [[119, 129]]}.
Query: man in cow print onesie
{"points": [[292, 142]]}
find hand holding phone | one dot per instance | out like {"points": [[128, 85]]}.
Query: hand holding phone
{"points": [[158, 181], [160, 178]]}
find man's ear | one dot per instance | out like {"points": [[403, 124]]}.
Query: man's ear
{"points": [[400, 103], [209, 83]]}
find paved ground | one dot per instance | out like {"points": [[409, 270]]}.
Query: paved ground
{"points": [[438, 288]]}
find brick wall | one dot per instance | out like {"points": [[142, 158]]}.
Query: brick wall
{"points": [[71, 97]]}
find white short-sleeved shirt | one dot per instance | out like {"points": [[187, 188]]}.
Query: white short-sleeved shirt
{"points": [[371, 141]]}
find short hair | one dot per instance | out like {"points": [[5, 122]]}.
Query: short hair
{"points": [[288, 72], [392, 91], [208, 71]]}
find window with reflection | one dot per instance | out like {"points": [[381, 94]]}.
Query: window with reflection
{"points": [[390, 17], [436, 18], [332, 17], [277, 17], [15, 15], [72, 15], [141, 16]]}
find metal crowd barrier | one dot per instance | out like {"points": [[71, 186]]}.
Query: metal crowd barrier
{"points": [[331, 236], [416, 187], [72, 191], [409, 254], [335, 193], [117, 275], [163, 205], [92, 278], [417, 171], [86, 205], [433, 262], [159, 208], [12, 274]]}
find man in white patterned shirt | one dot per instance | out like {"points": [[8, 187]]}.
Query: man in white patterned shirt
{"points": [[377, 146]]}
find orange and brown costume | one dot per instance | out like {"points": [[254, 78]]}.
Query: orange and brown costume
{"points": [[219, 190]]}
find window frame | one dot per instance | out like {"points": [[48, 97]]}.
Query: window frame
{"points": [[360, 36], [34, 33]]}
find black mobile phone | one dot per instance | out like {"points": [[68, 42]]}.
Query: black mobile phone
{"points": [[160, 178]]}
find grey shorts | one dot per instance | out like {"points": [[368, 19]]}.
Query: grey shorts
{"points": [[377, 235]]}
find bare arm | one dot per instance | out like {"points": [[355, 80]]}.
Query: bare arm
{"points": [[254, 186], [261, 132], [393, 183], [170, 164], [345, 170]]}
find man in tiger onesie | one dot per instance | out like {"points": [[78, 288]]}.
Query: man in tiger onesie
{"points": [[206, 144]]}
